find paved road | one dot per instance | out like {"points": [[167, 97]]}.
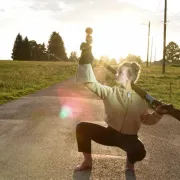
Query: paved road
{"points": [[37, 139]]}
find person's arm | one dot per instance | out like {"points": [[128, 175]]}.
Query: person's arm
{"points": [[99, 89], [86, 76], [150, 118]]}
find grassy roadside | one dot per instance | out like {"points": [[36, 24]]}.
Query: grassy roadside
{"points": [[22, 78], [157, 84], [19, 78]]}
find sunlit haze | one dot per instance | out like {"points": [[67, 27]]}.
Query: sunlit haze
{"points": [[120, 27]]}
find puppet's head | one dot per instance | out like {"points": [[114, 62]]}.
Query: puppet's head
{"points": [[89, 31], [128, 72]]}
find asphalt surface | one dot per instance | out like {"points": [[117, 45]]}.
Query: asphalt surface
{"points": [[37, 139]]}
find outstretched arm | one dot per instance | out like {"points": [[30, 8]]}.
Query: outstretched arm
{"points": [[86, 76], [85, 72]]}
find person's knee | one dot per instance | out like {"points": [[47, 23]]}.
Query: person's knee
{"points": [[142, 155], [80, 127], [141, 152]]}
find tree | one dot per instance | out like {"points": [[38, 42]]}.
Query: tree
{"points": [[39, 52], [133, 58], [56, 46], [172, 51], [43, 54], [105, 59], [113, 61], [17, 49], [25, 49], [33, 50], [43, 47], [73, 56]]}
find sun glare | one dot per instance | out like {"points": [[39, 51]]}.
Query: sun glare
{"points": [[119, 35]]}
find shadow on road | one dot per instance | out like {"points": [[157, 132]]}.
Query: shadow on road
{"points": [[81, 175]]}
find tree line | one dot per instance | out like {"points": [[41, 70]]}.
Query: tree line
{"points": [[25, 49], [29, 50]]}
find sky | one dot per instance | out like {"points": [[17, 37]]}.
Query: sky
{"points": [[119, 27]]}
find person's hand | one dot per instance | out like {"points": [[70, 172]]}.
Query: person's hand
{"points": [[161, 110]]}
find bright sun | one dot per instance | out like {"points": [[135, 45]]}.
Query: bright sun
{"points": [[119, 35]]}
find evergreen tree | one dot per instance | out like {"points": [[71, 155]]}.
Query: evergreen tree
{"points": [[43, 47], [25, 49], [33, 50], [17, 49], [56, 46], [42, 52], [37, 51]]}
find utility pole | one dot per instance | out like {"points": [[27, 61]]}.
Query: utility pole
{"points": [[151, 50], [155, 54], [147, 62], [164, 43]]}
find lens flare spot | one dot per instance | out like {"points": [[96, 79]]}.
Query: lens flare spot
{"points": [[65, 112]]}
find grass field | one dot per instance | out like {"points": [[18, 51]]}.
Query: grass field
{"points": [[157, 84], [19, 78]]}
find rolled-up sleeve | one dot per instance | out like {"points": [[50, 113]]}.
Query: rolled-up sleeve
{"points": [[149, 118], [85, 75]]}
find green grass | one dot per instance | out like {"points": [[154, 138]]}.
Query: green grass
{"points": [[157, 84], [19, 78]]}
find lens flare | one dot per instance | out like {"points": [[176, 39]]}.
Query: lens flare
{"points": [[65, 112], [73, 104]]}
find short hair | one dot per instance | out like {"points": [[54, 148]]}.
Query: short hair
{"points": [[133, 72]]}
